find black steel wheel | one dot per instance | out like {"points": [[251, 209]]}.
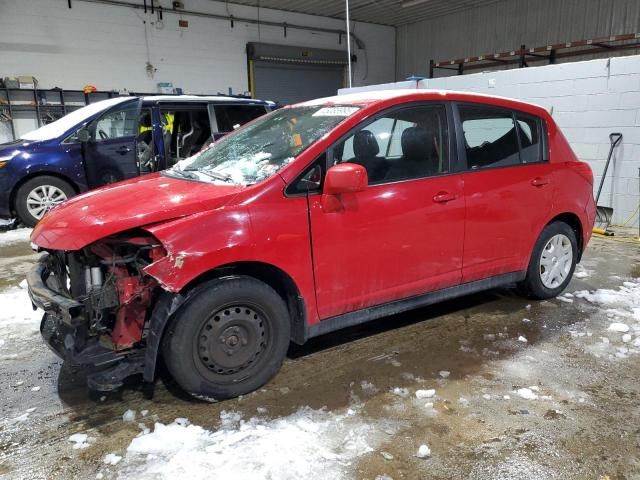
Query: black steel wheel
{"points": [[231, 340], [228, 340]]}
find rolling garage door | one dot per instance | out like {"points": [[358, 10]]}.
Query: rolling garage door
{"points": [[290, 74]]}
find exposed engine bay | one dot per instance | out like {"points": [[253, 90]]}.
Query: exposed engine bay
{"points": [[103, 299]]}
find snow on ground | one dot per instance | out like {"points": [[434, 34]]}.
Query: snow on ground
{"points": [[582, 272], [15, 236], [617, 332], [18, 323], [307, 444]]}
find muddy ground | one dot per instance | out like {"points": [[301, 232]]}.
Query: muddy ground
{"points": [[584, 424]]}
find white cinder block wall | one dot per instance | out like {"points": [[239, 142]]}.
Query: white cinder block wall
{"points": [[108, 46], [590, 100]]}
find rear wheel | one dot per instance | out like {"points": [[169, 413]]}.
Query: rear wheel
{"points": [[552, 263], [230, 339], [39, 195]]}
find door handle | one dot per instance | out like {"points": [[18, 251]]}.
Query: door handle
{"points": [[540, 181], [443, 197], [123, 150]]}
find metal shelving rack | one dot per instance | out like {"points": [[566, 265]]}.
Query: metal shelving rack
{"points": [[47, 105], [548, 53]]}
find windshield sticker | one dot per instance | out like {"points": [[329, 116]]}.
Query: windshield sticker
{"points": [[335, 111]]}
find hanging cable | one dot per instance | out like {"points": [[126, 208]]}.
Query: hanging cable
{"points": [[348, 43]]}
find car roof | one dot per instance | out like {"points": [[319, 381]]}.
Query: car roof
{"points": [[373, 97], [204, 98]]}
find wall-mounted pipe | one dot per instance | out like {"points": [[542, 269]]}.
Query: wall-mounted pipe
{"points": [[334, 31]]}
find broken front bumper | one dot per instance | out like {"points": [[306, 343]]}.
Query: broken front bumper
{"points": [[51, 301], [64, 328]]}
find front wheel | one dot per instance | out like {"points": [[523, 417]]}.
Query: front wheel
{"points": [[39, 195], [552, 263], [228, 340]]}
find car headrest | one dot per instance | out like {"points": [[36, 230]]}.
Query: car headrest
{"points": [[365, 144], [416, 143]]}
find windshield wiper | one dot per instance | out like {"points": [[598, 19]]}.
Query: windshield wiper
{"points": [[183, 173], [216, 175]]}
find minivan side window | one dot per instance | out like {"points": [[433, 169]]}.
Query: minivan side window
{"points": [[230, 117], [117, 123], [185, 129], [404, 144], [490, 137], [530, 133]]}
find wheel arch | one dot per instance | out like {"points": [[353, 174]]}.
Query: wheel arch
{"points": [[32, 175], [273, 276], [575, 223]]}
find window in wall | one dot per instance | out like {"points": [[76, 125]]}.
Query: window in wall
{"points": [[490, 137], [402, 145]]}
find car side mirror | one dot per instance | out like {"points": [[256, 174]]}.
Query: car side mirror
{"points": [[83, 135], [345, 178], [342, 178]]}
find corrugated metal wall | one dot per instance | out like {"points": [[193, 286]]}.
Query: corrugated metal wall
{"points": [[506, 25]]}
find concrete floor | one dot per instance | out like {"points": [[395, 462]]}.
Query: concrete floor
{"points": [[585, 422]]}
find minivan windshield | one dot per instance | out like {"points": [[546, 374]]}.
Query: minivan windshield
{"points": [[69, 121], [263, 147]]}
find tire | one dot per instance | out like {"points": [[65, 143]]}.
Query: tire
{"points": [[543, 282], [50, 190], [228, 340]]}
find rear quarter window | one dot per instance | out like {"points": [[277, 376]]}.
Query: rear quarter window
{"points": [[531, 134]]}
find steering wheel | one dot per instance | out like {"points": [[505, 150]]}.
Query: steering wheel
{"points": [[103, 134]]}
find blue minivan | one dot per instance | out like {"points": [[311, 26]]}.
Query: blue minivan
{"points": [[109, 141]]}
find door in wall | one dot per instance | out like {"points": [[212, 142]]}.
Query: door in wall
{"points": [[293, 83], [289, 74]]}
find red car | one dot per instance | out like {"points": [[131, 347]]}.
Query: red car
{"points": [[310, 219]]}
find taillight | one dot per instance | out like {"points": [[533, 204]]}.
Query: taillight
{"points": [[584, 169]]}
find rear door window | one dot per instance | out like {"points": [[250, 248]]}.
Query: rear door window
{"points": [[490, 137]]}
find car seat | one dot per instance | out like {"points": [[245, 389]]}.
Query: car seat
{"points": [[417, 155], [190, 139], [365, 150]]}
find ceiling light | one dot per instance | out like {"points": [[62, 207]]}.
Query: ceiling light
{"points": [[413, 3]]}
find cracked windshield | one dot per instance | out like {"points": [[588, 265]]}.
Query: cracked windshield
{"points": [[262, 148]]}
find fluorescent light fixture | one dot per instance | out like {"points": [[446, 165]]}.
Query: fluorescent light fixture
{"points": [[413, 3]]}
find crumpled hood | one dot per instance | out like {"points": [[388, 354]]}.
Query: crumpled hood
{"points": [[126, 205]]}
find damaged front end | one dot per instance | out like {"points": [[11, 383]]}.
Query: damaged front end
{"points": [[98, 302]]}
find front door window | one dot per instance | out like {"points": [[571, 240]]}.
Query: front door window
{"points": [[406, 144], [118, 123], [110, 154]]}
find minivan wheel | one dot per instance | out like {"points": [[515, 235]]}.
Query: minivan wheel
{"points": [[229, 339], [39, 195], [552, 263]]}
